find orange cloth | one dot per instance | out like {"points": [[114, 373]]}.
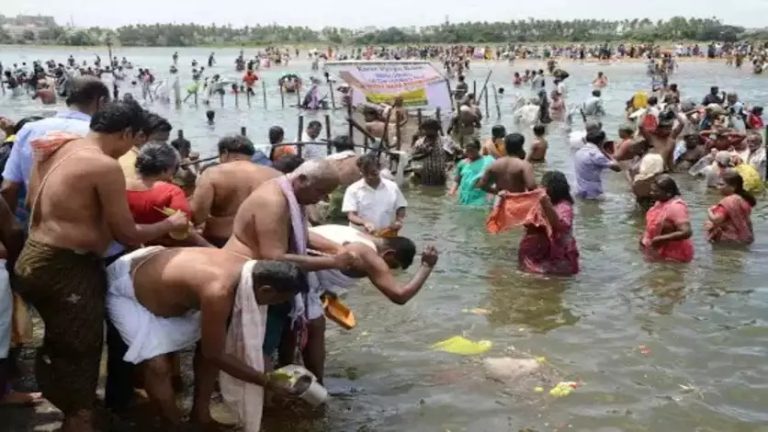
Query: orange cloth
{"points": [[45, 146], [516, 209]]}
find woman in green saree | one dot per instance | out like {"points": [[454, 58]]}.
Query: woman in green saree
{"points": [[468, 171]]}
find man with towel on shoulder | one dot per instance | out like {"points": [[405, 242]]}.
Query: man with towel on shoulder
{"points": [[271, 224], [164, 300], [79, 206]]}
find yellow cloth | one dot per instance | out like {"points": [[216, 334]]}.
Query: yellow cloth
{"points": [[128, 163], [463, 346], [751, 178]]}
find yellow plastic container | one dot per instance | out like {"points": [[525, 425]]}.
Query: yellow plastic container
{"points": [[339, 313]]}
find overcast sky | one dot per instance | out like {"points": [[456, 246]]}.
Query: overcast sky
{"points": [[360, 13]]}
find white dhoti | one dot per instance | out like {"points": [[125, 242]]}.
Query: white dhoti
{"points": [[245, 338], [6, 312], [146, 334]]}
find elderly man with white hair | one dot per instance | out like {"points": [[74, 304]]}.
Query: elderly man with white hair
{"points": [[271, 224]]}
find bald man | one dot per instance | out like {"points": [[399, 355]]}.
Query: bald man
{"points": [[271, 224]]}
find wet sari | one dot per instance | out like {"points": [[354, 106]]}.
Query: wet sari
{"points": [[665, 214], [470, 172], [737, 226], [554, 253]]}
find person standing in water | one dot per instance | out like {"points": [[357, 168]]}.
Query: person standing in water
{"points": [[667, 235], [539, 147], [211, 60], [729, 221], [555, 252], [601, 81], [494, 147], [468, 171], [511, 173]]}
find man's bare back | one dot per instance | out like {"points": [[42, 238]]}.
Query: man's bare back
{"points": [[509, 174], [174, 281], [538, 151], [220, 192], [270, 204], [68, 212]]}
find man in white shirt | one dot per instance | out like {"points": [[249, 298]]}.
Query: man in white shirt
{"points": [[374, 203], [312, 134]]}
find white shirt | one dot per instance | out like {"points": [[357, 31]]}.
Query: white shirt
{"points": [[313, 151], [378, 206]]}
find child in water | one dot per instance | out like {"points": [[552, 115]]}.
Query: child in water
{"points": [[539, 147]]}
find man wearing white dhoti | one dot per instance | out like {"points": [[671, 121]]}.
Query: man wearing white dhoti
{"points": [[163, 300]]}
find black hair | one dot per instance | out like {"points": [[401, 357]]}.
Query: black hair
{"points": [[276, 134], [539, 130], [596, 93], [288, 163], [155, 123], [342, 143], [501, 90], [404, 250], [210, 114], [596, 138], [474, 143], [714, 89], [498, 131], [430, 124], [513, 144], [668, 185], [758, 110], [236, 144], [368, 160], [280, 275], [314, 123], [86, 90], [673, 87], [155, 159], [732, 178], [653, 100], [119, 116], [461, 78], [557, 187], [20, 124]]}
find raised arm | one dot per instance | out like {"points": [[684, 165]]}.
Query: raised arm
{"points": [[381, 276], [110, 188], [488, 181]]}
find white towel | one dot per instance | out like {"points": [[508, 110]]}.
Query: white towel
{"points": [[146, 334], [245, 338], [6, 312]]}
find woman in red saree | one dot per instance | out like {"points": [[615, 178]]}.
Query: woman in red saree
{"points": [[667, 235], [551, 250], [729, 220]]}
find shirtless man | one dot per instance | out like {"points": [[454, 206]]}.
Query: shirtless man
{"points": [[664, 138], [263, 229], [377, 257], [60, 270], [196, 289], [539, 147], [511, 173], [222, 188], [495, 145]]}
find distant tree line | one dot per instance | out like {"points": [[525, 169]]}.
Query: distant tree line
{"points": [[520, 31]]}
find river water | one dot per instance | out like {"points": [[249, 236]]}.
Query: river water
{"points": [[656, 347]]}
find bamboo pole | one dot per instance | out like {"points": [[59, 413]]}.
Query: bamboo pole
{"points": [[486, 105], [282, 96], [349, 116], [418, 117], [264, 92], [328, 132], [298, 98], [496, 101], [221, 97], [248, 96], [474, 87], [242, 131], [333, 97], [301, 132]]}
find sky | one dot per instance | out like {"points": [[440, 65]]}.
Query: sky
{"points": [[358, 14]]}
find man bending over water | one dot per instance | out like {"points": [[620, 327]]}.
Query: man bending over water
{"points": [[163, 300]]}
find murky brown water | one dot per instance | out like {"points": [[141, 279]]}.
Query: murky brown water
{"points": [[704, 323]]}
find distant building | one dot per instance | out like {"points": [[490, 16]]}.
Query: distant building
{"points": [[23, 24]]}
